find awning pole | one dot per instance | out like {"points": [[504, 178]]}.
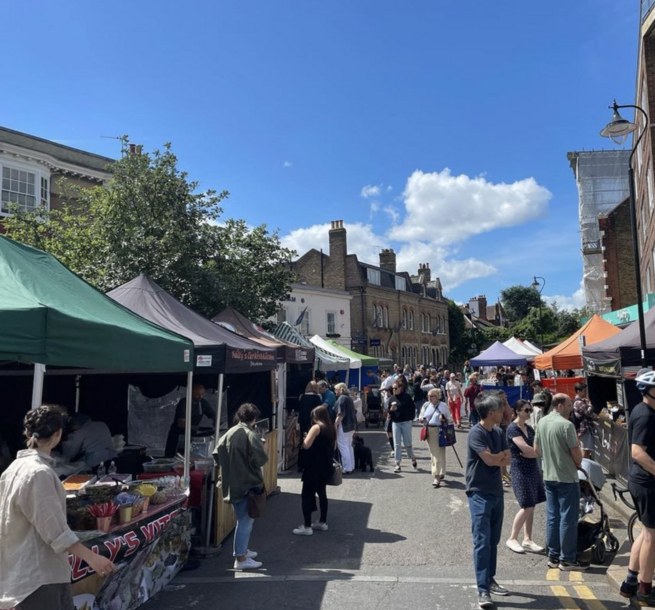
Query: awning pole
{"points": [[37, 385], [281, 407], [219, 410], [77, 393], [187, 429]]}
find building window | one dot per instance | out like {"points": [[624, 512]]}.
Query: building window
{"points": [[403, 357], [648, 284], [400, 283], [19, 186], [331, 323], [305, 323], [373, 276], [422, 323], [643, 223], [45, 192], [386, 317], [411, 320], [429, 326], [404, 319], [415, 356]]}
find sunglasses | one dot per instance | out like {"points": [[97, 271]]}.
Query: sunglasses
{"points": [[528, 410]]}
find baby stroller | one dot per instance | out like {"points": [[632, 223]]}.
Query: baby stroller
{"points": [[373, 408], [594, 533]]}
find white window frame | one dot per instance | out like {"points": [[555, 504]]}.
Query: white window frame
{"points": [[39, 173], [373, 276], [643, 223], [385, 312], [327, 322], [404, 318], [648, 284], [401, 283], [411, 319]]}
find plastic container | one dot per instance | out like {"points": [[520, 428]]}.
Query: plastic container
{"points": [[103, 523], [124, 514], [160, 466]]}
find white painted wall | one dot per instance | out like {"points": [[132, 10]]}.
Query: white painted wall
{"points": [[319, 302]]}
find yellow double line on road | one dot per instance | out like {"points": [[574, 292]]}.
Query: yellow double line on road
{"points": [[582, 591]]}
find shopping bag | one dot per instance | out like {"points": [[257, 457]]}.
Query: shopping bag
{"points": [[424, 433], [447, 435]]}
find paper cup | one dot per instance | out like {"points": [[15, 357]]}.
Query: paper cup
{"points": [[103, 523], [146, 504], [124, 514]]}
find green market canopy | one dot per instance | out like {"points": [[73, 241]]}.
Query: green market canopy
{"points": [[365, 360], [49, 315]]}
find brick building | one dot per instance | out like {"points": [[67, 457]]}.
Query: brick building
{"points": [[392, 314], [643, 159], [32, 170], [618, 259], [478, 314]]}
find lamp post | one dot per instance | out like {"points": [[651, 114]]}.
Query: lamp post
{"points": [[540, 285], [618, 129]]}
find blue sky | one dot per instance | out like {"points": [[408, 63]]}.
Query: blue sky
{"points": [[436, 127]]}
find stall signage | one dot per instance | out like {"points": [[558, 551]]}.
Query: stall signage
{"points": [[203, 361], [374, 342], [302, 355], [604, 368], [122, 544]]}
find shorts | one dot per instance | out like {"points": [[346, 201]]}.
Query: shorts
{"points": [[644, 499], [52, 597]]}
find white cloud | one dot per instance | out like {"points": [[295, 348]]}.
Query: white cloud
{"points": [[370, 190], [287, 164], [446, 209], [366, 244], [392, 212], [374, 208], [389, 188], [575, 301]]}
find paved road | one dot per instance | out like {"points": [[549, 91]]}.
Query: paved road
{"points": [[394, 542]]}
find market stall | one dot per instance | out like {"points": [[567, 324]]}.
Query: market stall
{"points": [[368, 362], [355, 364], [51, 318], [232, 358], [522, 348], [499, 355], [568, 354]]}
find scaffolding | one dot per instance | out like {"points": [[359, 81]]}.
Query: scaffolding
{"points": [[602, 180]]}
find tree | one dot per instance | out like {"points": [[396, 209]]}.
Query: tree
{"points": [[461, 338], [519, 300], [534, 326], [151, 219], [496, 333]]}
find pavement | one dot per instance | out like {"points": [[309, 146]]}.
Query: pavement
{"points": [[393, 542]]}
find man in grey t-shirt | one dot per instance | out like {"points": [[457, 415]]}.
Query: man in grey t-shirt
{"points": [[487, 452]]}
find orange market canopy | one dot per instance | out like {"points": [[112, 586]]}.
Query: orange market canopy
{"points": [[568, 354]]}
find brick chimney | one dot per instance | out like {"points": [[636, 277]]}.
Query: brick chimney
{"points": [[338, 252], [478, 306], [388, 260], [424, 273]]}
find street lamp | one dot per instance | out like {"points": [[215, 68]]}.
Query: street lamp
{"points": [[618, 129], [537, 285]]}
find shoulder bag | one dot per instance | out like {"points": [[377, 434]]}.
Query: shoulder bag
{"points": [[424, 432], [447, 436], [336, 478]]}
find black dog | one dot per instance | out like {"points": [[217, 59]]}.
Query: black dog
{"points": [[363, 454]]}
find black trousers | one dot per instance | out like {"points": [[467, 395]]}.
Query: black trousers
{"points": [[310, 489]]}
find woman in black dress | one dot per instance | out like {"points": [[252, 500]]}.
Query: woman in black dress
{"points": [[526, 478], [318, 448], [306, 404]]}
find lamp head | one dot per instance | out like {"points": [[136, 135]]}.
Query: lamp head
{"points": [[535, 284], [618, 129]]}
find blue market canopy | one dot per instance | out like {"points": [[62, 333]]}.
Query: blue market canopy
{"points": [[498, 355], [325, 360]]}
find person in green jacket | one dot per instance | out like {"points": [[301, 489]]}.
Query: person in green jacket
{"points": [[241, 454]]}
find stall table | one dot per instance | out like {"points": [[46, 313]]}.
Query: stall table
{"points": [[149, 550]]}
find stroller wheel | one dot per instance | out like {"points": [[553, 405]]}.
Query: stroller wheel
{"points": [[599, 552], [612, 543]]}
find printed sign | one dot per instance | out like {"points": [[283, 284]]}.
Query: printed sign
{"points": [[187, 355], [203, 361], [374, 342]]}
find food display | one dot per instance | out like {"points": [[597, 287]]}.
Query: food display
{"points": [[76, 482]]}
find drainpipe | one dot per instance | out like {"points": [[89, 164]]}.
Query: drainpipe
{"points": [[322, 268], [364, 326]]}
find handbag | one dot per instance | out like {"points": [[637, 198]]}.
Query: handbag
{"points": [[447, 436], [336, 478], [256, 502], [424, 433]]}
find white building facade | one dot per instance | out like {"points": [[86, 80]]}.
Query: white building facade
{"points": [[321, 311]]}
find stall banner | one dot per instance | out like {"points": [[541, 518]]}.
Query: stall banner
{"points": [[604, 368], [610, 448], [148, 553]]}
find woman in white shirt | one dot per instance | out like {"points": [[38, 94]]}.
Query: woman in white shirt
{"points": [[36, 540], [434, 414]]}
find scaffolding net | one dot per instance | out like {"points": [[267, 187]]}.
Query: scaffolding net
{"points": [[602, 180]]}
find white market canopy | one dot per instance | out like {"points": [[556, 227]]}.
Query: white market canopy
{"points": [[325, 361], [355, 363], [521, 348], [532, 346]]}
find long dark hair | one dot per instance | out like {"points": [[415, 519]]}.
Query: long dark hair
{"points": [[321, 417]]}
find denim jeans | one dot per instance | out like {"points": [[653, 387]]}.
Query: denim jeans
{"points": [[562, 511], [402, 431], [486, 525], [244, 527]]}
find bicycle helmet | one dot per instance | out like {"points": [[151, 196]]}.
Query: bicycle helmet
{"points": [[645, 380]]}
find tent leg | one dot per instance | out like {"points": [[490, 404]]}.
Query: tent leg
{"points": [[281, 407], [219, 410], [347, 375], [37, 385], [187, 429], [77, 393]]}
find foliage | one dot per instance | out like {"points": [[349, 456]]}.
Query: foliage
{"points": [[496, 333], [149, 218], [460, 337], [518, 301]]}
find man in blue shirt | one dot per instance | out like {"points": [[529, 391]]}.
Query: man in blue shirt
{"points": [[328, 397], [487, 452]]}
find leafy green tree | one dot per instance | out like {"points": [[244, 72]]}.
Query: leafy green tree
{"points": [[150, 218], [461, 338], [496, 333], [518, 301], [534, 326]]}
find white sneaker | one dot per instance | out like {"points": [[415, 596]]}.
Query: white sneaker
{"points": [[397, 468], [247, 564], [531, 546], [321, 527], [251, 554], [514, 545], [303, 531]]}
